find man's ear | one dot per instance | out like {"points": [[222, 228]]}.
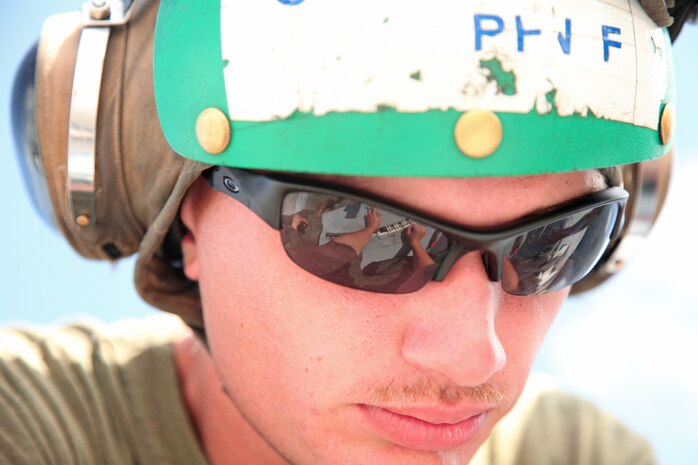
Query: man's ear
{"points": [[191, 266], [188, 213]]}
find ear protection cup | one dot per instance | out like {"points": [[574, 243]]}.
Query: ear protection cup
{"points": [[139, 181], [25, 137]]}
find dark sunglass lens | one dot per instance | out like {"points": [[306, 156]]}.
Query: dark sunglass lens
{"points": [[558, 254], [356, 245]]}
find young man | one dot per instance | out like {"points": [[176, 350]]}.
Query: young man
{"points": [[318, 374], [369, 258]]}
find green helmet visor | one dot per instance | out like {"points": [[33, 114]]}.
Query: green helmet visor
{"points": [[394, 88]]}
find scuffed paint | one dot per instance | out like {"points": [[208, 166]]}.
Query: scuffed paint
{"points": [[505, 80], [550, 106], [657, 48], [283, 67], [550, 98]]}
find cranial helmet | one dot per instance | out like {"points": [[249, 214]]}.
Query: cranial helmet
{"points": [[123, 105]]}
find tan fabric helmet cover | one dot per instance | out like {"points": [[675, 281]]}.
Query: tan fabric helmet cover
{"points": [[140, 181], [657, 10]]}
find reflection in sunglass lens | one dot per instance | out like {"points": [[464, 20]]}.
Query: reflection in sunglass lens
{"points": [[558, 254], [356, 245]]}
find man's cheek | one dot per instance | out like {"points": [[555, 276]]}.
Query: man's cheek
{"points": [[521, 326]]}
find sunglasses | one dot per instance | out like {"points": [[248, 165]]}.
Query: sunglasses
{"points": [[367, 243]]}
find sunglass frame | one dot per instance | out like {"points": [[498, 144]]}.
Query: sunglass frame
{"points": [[264, 194]]}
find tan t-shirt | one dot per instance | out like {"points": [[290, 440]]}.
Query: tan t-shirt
{"points": [[91, 394]]}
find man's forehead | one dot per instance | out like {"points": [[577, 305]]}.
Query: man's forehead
{"points": [[367, 182]]}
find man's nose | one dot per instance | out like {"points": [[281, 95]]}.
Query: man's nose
{"points": [[452, 329]]}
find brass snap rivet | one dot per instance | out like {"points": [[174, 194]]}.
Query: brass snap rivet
{"points": [[213, 130], [83, 220], [100, 10], [478, 133], [668, 123]]}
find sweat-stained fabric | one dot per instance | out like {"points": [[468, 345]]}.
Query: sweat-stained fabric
{"points": [[109, 395], [658, 11]]}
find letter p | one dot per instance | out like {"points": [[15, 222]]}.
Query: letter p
{"points": [[480, 31]]}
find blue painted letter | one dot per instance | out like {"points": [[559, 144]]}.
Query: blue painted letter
{"points": [[607, 43], [521, 33], [479, 31], [566, 40]]}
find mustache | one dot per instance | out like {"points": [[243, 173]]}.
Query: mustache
{"points": [[428, 389]]}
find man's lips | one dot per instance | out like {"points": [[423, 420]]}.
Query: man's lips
{"points": [[431, 429]]}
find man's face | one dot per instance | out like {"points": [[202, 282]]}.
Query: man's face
{"points": [[326, 374]]}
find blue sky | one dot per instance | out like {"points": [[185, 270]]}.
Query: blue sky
{"points": [[627, 346]]}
